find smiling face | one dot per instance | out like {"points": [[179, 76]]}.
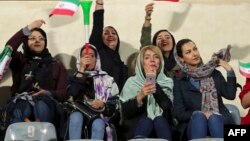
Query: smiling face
{"points": [[164, 41], [36, 42], [190, 54], [151, 61], [110, 38]]}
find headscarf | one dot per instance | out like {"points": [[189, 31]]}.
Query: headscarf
{"points": [[170, 61], [118, 40], [37, 71], [134, 84], [203, 73], [104, 84]]}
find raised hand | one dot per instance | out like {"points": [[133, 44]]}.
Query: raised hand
{"points": [[36, 24]]}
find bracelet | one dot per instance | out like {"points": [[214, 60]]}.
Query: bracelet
{"points": [[99, 3]]}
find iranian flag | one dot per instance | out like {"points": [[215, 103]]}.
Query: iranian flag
{"points": [[65, 7], [5, 58], [168, 0], [244, 69]]}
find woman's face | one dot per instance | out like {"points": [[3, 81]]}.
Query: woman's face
{"points": [[110, 37], [151, 61], [36, 42], [164, 41], [191, 55], [91, 58]]}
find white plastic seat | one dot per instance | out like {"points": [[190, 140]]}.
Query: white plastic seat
{"points": [[31, 131], [208, 139], [148, 139], [85, 140], [235, 112]]}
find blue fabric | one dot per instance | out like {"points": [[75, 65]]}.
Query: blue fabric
{"points": [[145, 127], [76, 121], [75, 125], [43, 112], [98, 129], [21, 110], [200, 127]]}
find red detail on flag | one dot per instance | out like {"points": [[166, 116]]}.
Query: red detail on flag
{"points": [[62, 12], [245, 74], [168, 0]]}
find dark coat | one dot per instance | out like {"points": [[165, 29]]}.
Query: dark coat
{"points": [[110, 59], [188, 99]]}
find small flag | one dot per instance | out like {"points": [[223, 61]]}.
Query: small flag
{"points": [[65, 7], [169, 0], [244, 69], [5, 58]]}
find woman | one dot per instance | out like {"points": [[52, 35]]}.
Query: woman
{"points": [[198, 91], [38, 79], [107, 43], [91, 84], [245, 101], [162, 39], [146, 107]]}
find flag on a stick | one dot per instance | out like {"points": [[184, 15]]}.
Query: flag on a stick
{"points": [[244, 69], [5, 58], [65, 7]]}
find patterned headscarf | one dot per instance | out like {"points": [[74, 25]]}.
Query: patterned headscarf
{"points": [[203, 73], [104, 84]]}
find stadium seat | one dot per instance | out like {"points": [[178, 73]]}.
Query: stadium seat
{"points": [[234, 112], [35, 131]]}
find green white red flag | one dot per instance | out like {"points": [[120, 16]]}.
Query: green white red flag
{"points": [[244, 69], [5, 58], [65, 7]]}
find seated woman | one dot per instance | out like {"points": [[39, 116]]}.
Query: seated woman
{"points": [[199, 89], [245, 101], [91, 84], [39, 81], [146, 107]]}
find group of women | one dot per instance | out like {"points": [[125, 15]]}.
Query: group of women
{"points": [[186, 94]]}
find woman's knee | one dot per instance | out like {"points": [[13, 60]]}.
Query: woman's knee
{"points": [[98, 124], [215, 119], [76, 117], [197, 115]]}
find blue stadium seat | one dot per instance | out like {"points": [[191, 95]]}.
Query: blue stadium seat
{"points": [[234, 112]]}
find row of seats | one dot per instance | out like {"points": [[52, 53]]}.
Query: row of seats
{"points": [[44, 131]]}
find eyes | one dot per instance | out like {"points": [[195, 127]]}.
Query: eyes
{"points": [[33, 38], [147, 57], [189, 51], [107, 33]]}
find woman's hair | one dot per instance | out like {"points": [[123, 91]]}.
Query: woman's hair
{"points": [[154, 49], [158, 32], [179, 46]]}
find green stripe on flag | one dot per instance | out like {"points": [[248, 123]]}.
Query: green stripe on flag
{"points": [[244, 65], [76, 2], [6, 51]]}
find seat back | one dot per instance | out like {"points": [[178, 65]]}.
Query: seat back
{"points": [[148, 139], [36, 131], [235, 112]]}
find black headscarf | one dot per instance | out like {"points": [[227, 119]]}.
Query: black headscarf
{"points": [[38, 67]]}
